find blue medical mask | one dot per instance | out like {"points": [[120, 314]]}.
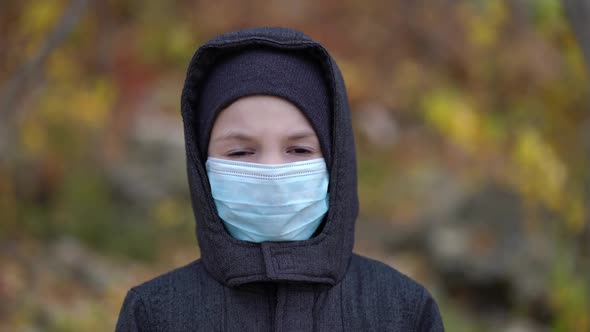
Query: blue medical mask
{"points": [[261, 202]]}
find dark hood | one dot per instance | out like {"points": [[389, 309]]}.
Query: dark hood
{"points": [[323, 258]]}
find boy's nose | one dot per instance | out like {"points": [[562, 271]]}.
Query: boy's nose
{"points": [[272, 158]]}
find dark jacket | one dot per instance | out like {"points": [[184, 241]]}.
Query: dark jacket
{"points": [[312, 285]]}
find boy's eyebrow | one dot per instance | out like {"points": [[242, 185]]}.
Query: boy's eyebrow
{"points": [[242, 136], [300, 134], [234, 135]]}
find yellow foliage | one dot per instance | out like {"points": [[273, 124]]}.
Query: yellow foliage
{"points": [[577, 67], [167, 212], [355, 80], [33, 137], [455, 118], [534, 167], [569, 297], [92, 106], [40, 17], [180, 42], [575, 213], [540, 173], [86, 106], [35, 22], [483, 29], [61, 67]]}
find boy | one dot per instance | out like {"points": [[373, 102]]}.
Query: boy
{"points": [[272, 173]]}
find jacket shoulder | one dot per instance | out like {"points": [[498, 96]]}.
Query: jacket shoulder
{"points": [[370, 270], [177, 300], [179, 280], [385, 295]]}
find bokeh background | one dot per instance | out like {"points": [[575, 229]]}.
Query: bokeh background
{"points": [[473, 135]]}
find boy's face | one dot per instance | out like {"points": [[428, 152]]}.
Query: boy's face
{"points": [[265, 130]]}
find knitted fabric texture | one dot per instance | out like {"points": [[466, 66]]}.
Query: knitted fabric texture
{"points": [[265, 71]]}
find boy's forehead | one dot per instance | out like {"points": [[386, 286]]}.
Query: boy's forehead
{"points": [[255, 115]]}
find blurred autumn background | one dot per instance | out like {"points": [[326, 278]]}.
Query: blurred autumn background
{"points": [[473, 132]]}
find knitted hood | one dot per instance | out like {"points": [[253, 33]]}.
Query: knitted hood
{"points": [[321, 259]]}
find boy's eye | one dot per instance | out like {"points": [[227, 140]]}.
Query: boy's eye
{"points": [[300, 150], [239, 153]]}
